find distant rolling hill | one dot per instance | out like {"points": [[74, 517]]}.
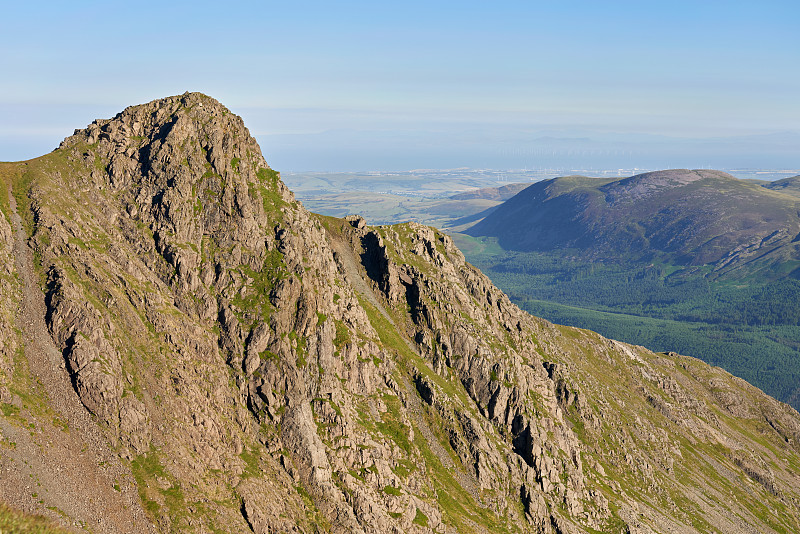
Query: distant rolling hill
{"points": [[680, 217], [453, 212], [492, 193]]}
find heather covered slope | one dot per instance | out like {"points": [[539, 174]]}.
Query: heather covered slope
{"points": [[216, 359], [679, 217]]}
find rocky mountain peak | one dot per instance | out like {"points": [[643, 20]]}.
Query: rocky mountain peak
{"points": [[169, 141], [243, 365]]}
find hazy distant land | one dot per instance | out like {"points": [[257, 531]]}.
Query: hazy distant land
{"points": [[423, 195]]}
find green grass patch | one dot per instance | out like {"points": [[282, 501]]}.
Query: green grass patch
{"points": [[404, 468], [313, 514], [9, 174], [270, 197], [251, 459], [391, 490], [269, 355], [9, 410], [256, 301], [331, 403], [420, 519], [342, 335], [17, 522], [28, 389], [150, 477], [391, 426], [300, 343]]}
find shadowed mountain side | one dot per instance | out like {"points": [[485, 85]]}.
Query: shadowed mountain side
{"points": [[466, 222]]}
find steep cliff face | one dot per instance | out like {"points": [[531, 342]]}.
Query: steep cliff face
{"points": [[9, 300], [223, 360]]}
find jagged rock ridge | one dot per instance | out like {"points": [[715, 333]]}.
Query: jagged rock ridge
{"points": [[254, 367]]}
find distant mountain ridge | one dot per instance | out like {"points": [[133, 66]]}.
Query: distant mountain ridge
{"points": [[680, 216]]}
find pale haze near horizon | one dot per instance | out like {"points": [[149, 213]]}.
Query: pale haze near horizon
{"points": [[369, 86]]}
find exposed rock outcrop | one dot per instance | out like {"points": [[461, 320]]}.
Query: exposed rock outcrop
{"points": [[9, 300]]}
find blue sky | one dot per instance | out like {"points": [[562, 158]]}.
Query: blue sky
{"points": [[371, 85]]}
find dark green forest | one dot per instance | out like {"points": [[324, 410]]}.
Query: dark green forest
{"points": [[750, 326]]}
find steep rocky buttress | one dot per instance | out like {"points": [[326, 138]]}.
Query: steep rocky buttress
{"points": [[214, 358]]}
